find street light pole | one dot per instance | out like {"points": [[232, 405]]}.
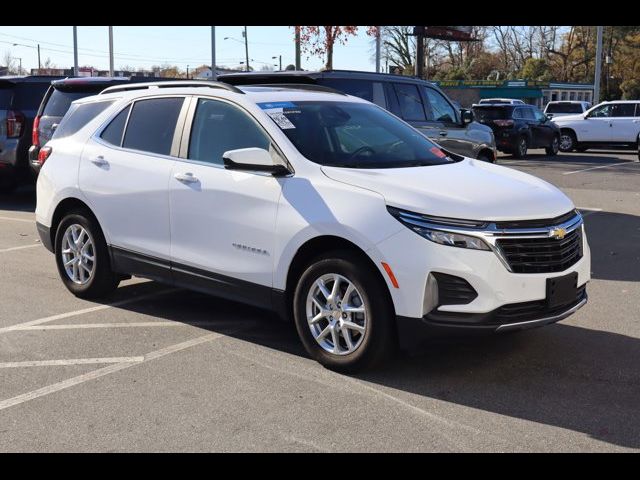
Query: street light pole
{"points": [[111, 51], [378, 49], [298, 63], [75, 51], [279, 57], [38, 58], [598, 73], [246, 47], [213, 54]]}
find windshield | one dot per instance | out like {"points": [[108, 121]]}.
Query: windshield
{"points": [[354, 135], [564, 108]]}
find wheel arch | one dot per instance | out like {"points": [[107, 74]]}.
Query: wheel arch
{"points": [[66, 205], [314, 248]]}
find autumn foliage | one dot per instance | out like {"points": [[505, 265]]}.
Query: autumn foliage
{"points": [[320, 40]]}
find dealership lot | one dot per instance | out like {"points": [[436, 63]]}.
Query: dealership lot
{"points": [[160, 369]]}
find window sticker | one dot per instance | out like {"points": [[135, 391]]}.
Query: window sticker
{"points": [[437, 152], [281, 120]]}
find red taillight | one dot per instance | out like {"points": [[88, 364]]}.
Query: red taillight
{"points": [[504, 123], [35, 136], [15, 124], [43, 154]]}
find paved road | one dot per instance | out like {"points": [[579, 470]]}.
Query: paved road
{"points": [[160, 369]]}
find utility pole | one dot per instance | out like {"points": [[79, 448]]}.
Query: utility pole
{"points": [[246, 47], [419, 54], [378, 49], [75, 51], [111, 51], [279, 57], [298, 63], [38, 58], [187, 72], [596, 80], [213, 54]]}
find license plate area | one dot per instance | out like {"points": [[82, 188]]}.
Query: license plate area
{"points": [[562, 290]]}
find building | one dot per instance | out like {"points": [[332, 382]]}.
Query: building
{"points": [[534, 92], [91, 72]]}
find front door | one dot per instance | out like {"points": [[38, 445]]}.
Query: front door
{"points": [[596, 127], [223, 221]]}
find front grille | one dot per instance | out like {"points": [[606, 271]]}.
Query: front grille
{"points": [[454, 290], [536, 223], [542, 255], [535, 310]]}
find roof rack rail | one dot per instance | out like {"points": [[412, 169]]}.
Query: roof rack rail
{"points": [[298, 86], [171, 84]]}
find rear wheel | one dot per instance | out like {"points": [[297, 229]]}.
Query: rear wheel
{"points": [[343, 313], [567, 141], [521, 147], [82, 256], [553, 148]]}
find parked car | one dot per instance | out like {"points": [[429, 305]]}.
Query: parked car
{"points": [[315, 204], [518, 128], [420, 103], [555, 109], [57, 101], [609, 124], [508, 101], [19, 100]]}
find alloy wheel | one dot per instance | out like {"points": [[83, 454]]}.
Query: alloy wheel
{"points": [[566, 142], [336, 314], [78, 254]]}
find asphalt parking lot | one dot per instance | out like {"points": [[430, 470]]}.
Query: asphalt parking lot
{"points": [[159, 369]]}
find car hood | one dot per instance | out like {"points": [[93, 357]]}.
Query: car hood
{"points": [[469, 189], [574, 117]]}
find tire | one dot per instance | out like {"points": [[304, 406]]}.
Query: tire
{"points": [[521, 147], [552, 149], [94, 278], [376, 338], [485, 157], [568, 141]]}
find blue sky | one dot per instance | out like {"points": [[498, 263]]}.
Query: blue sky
{"points": [[182, 46]]}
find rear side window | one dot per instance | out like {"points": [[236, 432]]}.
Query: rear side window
{"points": [[114, 131], [623, 110], [59, 102], [410, 102], [78, 117], [371, 91], [152, 124]]}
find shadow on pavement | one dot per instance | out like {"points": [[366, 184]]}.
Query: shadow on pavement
{"points": [[586, 159], [23, 199], [561, 375], [614, 239]]}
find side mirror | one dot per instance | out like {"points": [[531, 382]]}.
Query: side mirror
{"points": [[252, 160], [549, 115], [466, 116]]}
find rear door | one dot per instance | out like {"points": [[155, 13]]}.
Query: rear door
{"points": [[124, 174], [625, 126]]}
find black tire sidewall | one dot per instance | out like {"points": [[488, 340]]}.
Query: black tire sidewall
{"points": [[379, 338], [516, 148], [103, 279], [550, 150]]}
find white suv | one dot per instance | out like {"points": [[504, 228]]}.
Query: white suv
{"points": [[608, 124], [318, 205]]}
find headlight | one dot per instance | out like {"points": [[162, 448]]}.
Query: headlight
{"points": [[451, 239], [435, 229]]}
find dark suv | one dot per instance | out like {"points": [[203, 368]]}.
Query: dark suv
{"points": [[417, 102], [19, 100], [519, 127], [56, 103]]}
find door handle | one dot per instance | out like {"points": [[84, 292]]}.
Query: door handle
{"points": [[99, 161], [186, 177], [443, 133]]}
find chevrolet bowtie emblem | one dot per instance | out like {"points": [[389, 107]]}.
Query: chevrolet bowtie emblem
{"points": [[558, 233]]}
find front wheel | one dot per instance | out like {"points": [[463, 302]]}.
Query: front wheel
{"points": [[82, 256], [343, 313], [567, 141], [553, 148]]}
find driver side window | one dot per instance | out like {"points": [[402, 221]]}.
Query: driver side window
{"points": [[600, 112], [219, 127], [442, 109]]}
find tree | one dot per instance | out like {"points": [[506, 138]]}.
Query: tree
{"points": [[398, 47], [320, 40], [290, 67], [10, 63], [535, 69], [630, 89], [266, 68]]}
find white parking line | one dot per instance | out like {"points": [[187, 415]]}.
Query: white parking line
{"points": [[60, 316], [18, 219], [601, 166], [56, 387], [11, 249], [71, 361], [72, 326]]}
